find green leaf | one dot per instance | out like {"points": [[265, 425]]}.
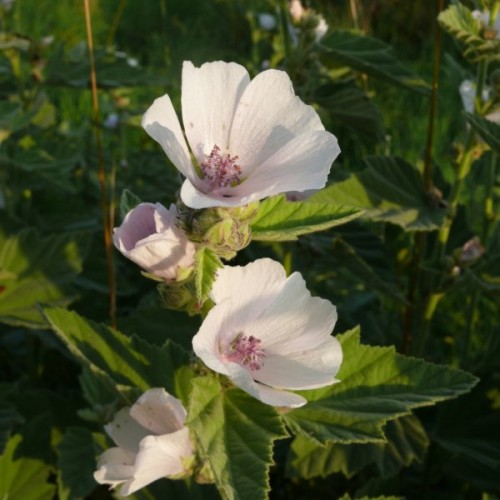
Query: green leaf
{"points": [[282, 220], [8, 418], [124, 360], [459, 22], [235, 434], [377, 385], [22, 477], [390, 190], [76, 462], [406, 442], [371, 56], [34, 270], [488, 131], [128, 201], [207, 264], [349, 106]]}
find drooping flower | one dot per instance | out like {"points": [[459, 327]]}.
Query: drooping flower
{"points": [[150, 237], [152, 443], [268, 334], [249, 139]]}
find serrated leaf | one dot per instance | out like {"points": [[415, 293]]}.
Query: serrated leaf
{"points": [[389, 190], [76, 462], [22, 477], [281, 220], [488, 131], [459, 22], [377, 385], [207, 264], [235, 433], [128, 201], [124, 360], [406, 442], [37, 270], [371, 56]]}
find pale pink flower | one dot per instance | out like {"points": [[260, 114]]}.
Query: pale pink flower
{"points": [[249, 139], [150, 236], [296, 9], [268, 335], [152, 443]]}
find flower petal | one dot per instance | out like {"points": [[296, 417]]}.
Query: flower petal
{"points": [[161, 123], [268, 116], [309, 369], [125, 431], [268, 395], [114, 466], [159, 456], [209, 98], [302, 164], [139, 223], [159, 412]]}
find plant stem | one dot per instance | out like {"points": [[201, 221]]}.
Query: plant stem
{"points": [[283, 8], [489, 209], [102, 172]]}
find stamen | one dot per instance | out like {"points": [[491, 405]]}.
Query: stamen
{"points": [[245, 351], [220, 170]]}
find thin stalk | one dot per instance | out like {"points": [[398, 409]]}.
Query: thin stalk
{"points": [[101, 172], [283, 8], [115, 23], [489, 209], [354, 13]]}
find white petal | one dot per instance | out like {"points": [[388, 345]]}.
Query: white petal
{"points": [[159, 456], [209, 98], [161, 123], [300, 165], [194, 198], [241, 284], [309, 369], [114, 466], [268, 116], [139, 223], [267, 395], [125, 431], [159, 412]]}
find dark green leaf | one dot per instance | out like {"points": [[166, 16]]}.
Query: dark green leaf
{"points": [[488, 131], [128, 201]]}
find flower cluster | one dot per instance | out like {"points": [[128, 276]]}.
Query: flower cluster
{"points": [[265, 332]]}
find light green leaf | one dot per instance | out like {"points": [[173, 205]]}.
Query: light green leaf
{"points": [[207, 264], [120, 359], [76, 462], [22, 477], [36, 270], [390, 190], [377, 385], [406, 442], [459, 22], [128, 201], [282, 220], [235, 433], [488, 131], [371, 56]]}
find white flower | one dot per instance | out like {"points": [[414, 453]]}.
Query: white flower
{"points": [[484, 19], [250, 139], [267, 334], [152, 443], [267, 21], [149, 236], [296, 10], [321, 28]]}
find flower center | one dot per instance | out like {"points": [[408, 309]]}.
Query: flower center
{"points": [[220, 170], [246, 351]]}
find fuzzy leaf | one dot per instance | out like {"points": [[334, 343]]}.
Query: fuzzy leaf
{"points": [[22, 477], [281, 220], [459, 22], [124, 360], [377, 385], [390, 190], [207, 264], [371, 56], [128, 201], [235, 433], [488, 131], [406, 442]]}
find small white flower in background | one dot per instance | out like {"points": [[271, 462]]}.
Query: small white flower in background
{"points": [[6, 4], [268, 335], [321, 28], [297, 11], [484, 19], [267, 21], [111, 121], [250, 139], [152, 443], [467, 91], [149, 236]]}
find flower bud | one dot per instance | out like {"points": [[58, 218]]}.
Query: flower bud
{"points": [[150, 237]]}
